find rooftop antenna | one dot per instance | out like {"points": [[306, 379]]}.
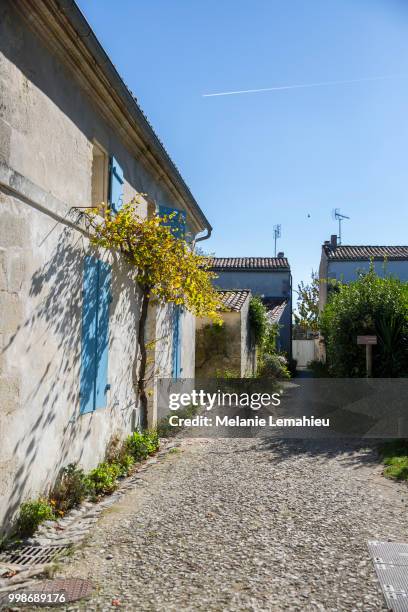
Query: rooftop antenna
{"points": [[338, 216], [276, 234]]}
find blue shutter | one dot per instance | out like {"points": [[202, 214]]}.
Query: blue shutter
{"points": [[95, 335], [102, 341], [177, 337], [177, 223], [88, 349], [116, 182]]}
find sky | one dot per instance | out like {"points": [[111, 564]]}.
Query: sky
{"points": [[287, 156]]}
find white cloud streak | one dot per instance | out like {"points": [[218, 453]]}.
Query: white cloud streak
{"points": [[303, 86]]}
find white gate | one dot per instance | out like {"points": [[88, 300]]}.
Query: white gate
{"points": [[304, 351]]}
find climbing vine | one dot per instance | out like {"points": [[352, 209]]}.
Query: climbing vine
{"points": [[164, 267]]}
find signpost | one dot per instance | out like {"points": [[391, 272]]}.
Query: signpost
{"points": [[368, 341]]}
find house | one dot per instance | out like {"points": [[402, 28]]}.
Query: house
{"points": [[345, 262], [228, 348], [72, 135], [268, 277]]}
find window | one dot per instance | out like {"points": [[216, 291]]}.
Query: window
{"points": [[177, 223], [99, 175], [95, 335], [116, 184]]}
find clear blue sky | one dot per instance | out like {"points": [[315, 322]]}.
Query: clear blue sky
{"points": [[258, 159]]}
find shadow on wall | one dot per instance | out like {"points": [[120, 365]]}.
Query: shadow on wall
{"points": [[49, 342]]}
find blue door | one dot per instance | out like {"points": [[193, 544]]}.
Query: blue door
{"points": [[95, 335], [177, 336]]}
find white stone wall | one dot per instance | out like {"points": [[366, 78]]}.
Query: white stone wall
{"points": [[47, 129]]}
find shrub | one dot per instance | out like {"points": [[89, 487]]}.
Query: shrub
{"points": [[319, 368], [70, 489], [370, 305], [394, 454], [165, 430], [274, 366], [142, 444], [118, 453], [102, 480], [258, 320], [32, 514]]}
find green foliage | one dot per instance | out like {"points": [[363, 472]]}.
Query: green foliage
{"points": [[274, 366], [103, 479], [70, 489], [369, 305], [165, 430], [32, 514], [307, 316], [258, 320], [319, 369], [118, 453], [142, 444], [395, 456]]}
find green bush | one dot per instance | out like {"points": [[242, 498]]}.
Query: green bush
{"points": [[394, 454], [70, 489], [319, 368], [370, 305], [32, 514], [118, 453], [165, 430], [274, 366], [142, 444], [103, 479], [258, 320]]}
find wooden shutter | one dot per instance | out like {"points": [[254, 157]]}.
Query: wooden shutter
{"points": [[95, 335], [102, 341], [88, 347], [177, 223], [177, 337], [116, 182]]}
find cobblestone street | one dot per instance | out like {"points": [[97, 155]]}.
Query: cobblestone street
{"points": [[245, 525]]}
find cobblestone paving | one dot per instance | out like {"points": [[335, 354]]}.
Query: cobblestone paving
{"points": [[231, 525]]}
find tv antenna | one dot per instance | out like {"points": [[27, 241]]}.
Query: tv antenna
{"points": [[276, 234], [338, 216]]}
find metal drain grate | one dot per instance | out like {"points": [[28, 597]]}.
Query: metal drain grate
{"points": [[391, 566], [72, 589], [28, 556]]}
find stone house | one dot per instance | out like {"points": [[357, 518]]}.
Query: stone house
{"points": [[268, 277], [345, 262], [72, 135], [229, 348]]}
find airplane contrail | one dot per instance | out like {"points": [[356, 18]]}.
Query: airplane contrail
{"points": [[303, 86]]}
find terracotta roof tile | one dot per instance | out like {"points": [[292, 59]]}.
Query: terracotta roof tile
{"points": [[249, 263], [347, 252], [275, 307], [234, 299]]}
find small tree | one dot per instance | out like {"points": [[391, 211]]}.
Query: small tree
{"points": [[307, 316], [369, 305], [164, 267]]}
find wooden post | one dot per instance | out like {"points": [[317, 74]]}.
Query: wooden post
{"points": [[368, 341]]}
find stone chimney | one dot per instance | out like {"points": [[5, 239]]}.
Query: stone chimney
{"points": [[281, 254], [333, 241]]}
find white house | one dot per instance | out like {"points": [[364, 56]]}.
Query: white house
{"points": [[268, 277], [345, 262], [72, 135]]}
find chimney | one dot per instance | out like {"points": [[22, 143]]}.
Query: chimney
{"points": [[281, 254], [333, 241]]}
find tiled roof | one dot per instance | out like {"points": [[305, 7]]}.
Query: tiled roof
{"points": [[362, 252], [275, 307], [234, 299], [249, 263]]}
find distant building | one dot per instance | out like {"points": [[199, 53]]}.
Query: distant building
{"points": [[229, 348], [345, 262], [268, 277]]}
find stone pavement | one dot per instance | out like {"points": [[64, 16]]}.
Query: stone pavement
{"points": [[234, 525]]}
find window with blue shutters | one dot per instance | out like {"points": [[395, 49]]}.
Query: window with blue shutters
{"points": [[177, 337], [116, 183], [175, 220], [95, 335]]}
